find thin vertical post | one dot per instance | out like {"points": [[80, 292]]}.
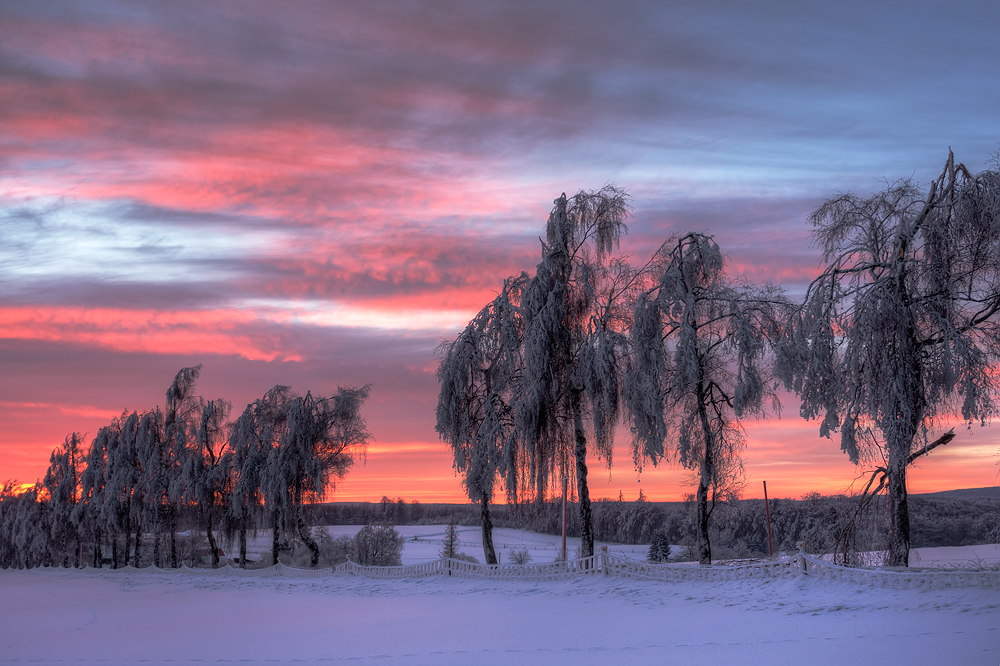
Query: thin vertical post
{"points": [[565, 490], [767, 512]]}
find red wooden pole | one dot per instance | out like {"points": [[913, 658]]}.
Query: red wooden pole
{"points": [[565, 490], [767, 511]]}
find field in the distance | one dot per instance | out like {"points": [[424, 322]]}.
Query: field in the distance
{"points": [[68, 616], [423, 543]]}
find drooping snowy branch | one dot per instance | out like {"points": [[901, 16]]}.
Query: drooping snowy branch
{"points": [[699, 346]]}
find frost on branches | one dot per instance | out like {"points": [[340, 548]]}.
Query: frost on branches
{"points": [[901, 328], [699, 346]]}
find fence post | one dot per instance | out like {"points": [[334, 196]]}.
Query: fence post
{"points": [[604, 561], [803, 565]]}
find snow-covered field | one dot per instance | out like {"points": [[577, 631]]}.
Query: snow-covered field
{"points": [[65, 616], [423, 542]]}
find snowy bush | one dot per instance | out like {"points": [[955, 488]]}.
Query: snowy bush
{"points": [[331, 551], [336, 551], [378, 545], [300, 556], [519, 555]]}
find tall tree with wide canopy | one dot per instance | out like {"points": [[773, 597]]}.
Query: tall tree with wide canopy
{"points": [[574, 344], [698, 343], [901, 329], [480, 375]]}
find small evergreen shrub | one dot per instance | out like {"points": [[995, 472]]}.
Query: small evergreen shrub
{"points": [[450, 544], [659, 550]]}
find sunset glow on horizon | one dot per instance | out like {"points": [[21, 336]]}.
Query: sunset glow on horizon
{"points": [[319, 194]]}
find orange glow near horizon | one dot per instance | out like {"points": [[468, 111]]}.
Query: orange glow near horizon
{"points": [[422, 470]]}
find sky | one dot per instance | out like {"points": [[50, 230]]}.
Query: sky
{"points": [[317, 194]]}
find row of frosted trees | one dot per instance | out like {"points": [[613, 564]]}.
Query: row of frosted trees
{"points": [[897, 334], [123, 497]]}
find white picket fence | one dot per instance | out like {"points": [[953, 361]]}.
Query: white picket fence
{"points": [[784, 567], [609, 564], [462, 569], [897, 579]]}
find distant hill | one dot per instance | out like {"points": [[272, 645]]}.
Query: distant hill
{"points": [[992, 492]]}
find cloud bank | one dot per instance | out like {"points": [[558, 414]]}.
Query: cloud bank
{"points": [[322, 192]]}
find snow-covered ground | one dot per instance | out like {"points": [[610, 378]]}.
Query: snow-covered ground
{"points": [[64, 616], [960, 556]]}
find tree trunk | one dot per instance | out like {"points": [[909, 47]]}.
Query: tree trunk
{"points": [[488, 550], [704, 544], [172, 514], [98, 556], [586, 524], [128, 539], [899, 509], [704, 479], [211, 542], [243, 547], [274, 538], [300, 524], [899, 459], [908, 410], [156, 543], [114, 550], [64, 547], [899, 520], [138, 544]]}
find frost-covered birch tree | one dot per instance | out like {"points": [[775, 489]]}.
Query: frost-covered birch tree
{"points": [[111, 509], [87, 514], [252, 439], [24, 527], [900, 331], [9, 553], [62, 482], [153, 486], [573, 352], [480, 375], [698, 348], [203, 470], [124, 506], [182, 408], [319, 444]]}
